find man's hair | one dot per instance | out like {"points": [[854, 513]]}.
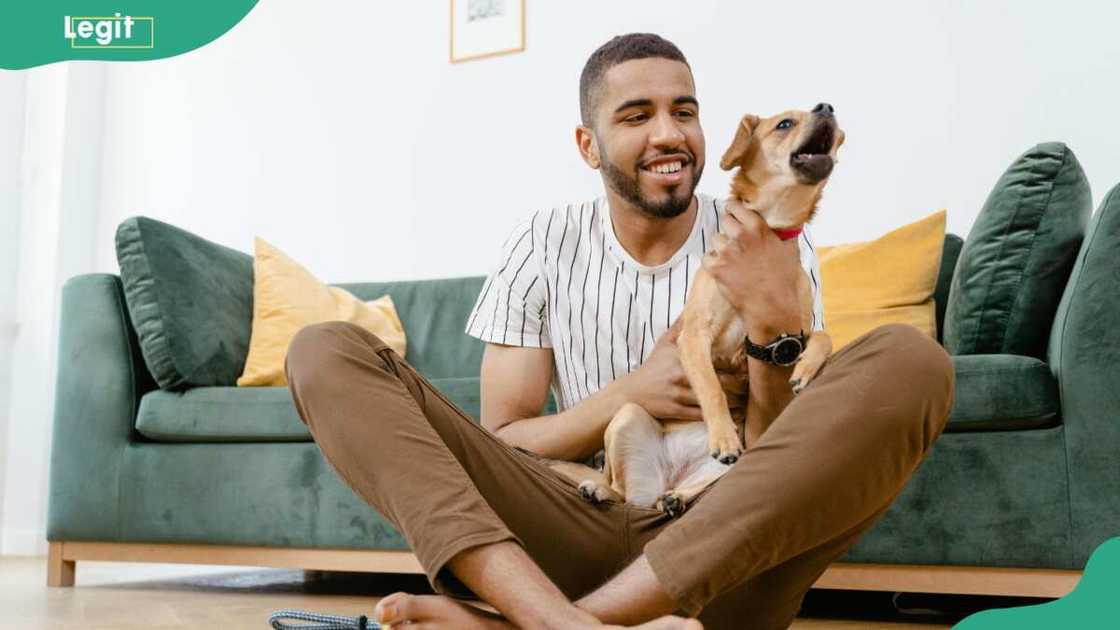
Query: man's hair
{"points": [[619, 49]]}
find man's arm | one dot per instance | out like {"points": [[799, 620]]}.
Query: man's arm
{"points": [[515, 384], [757, 272], [770, 390]]}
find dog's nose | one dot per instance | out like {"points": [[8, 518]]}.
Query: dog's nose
{"points": [[824, 109]]}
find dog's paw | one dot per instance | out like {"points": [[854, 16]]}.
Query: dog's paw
{"points": [[587, 491], [804, 372], [671, 504], [594, 492], [725, 458], [725, 448]]}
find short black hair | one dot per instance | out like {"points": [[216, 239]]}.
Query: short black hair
{"points": [[619, 49]]}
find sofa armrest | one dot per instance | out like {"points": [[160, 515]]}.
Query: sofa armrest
{"points": [[1003, 392], [101, 377], [1083, 356]]}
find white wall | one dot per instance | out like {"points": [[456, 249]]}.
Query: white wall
{"points": [[345, 137], [55, 190], [13, 95]]}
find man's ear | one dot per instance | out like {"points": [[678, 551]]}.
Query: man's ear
{"points": [[588, 146], [740, 144]]}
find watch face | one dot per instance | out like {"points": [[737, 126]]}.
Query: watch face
{"points": [[787, 351]]}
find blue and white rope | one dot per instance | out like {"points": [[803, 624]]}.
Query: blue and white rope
{"points": [[321, 622]]}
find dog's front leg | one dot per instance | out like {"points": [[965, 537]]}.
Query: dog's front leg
{"points": [[695, 344], [816, 353]]}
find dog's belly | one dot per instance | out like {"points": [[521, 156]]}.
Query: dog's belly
{"points": [[689, 466], [686, 448]]}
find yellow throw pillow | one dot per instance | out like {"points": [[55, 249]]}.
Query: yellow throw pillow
{"points": [[888, 280], [286, 297]]}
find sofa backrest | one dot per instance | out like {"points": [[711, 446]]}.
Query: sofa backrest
{"points": [[434, 314]]}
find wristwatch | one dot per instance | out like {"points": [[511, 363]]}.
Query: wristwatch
{"points": [[783, 351]]}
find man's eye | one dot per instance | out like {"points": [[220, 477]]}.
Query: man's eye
{"points": [[685, 113], [636, 118], [785, 124]]}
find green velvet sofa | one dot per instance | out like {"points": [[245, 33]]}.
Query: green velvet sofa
{"points": [[1016, 494]]}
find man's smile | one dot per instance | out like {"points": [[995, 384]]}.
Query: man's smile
{"points": [[667, 169]]}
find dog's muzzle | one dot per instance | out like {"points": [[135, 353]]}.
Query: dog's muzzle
{"points": [[812, 162]]}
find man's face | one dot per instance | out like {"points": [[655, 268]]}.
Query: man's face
{"points": [[647, 129]]}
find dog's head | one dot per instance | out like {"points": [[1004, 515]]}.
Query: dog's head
{"points": [[784, 162]]}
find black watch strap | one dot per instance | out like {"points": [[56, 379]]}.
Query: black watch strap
{"points": [[783, 350]]}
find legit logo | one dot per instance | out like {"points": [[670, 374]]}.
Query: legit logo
{"points": [[110, 32]]}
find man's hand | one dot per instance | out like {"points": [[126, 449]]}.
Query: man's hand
{"points": [[757, 272], [661, 386]]}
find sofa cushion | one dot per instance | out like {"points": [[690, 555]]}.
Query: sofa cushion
{"points": [[288, 297], [190, 300], [251, 414], [1018, 256], [1003, 392], [884, 281]]}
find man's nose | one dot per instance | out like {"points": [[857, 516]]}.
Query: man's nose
{"points": [[823, 109], [666, 131]]}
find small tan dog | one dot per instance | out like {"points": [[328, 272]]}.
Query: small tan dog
{"points": [[784, 162]]}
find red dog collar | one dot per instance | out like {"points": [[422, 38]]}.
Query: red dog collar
{"points": [[786, 235]]}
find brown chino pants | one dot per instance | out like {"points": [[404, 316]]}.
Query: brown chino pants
{"points": [[744, 553]]}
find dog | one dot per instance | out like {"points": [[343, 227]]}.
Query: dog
{"points": [[783, 163]]}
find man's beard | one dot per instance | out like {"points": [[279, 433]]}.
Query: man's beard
{"points": [[631, 191]]}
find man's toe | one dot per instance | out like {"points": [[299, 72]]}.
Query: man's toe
{"points": [[394, 608]]}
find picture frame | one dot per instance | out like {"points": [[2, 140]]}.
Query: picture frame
{"points": [[486, 28]]}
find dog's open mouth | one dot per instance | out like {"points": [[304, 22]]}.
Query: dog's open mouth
{"points": [[812, 161]]}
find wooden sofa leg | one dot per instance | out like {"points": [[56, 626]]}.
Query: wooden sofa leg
{"points": [[59, 572]]}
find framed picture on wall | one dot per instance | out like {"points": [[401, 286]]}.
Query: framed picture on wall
{"points": [[485, 28]]}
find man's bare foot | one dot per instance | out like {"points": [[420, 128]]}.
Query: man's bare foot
{"points": [[668, 622], [437, 611]]}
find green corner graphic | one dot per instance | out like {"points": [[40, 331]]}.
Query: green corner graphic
{"points": [[47, 31], [1091, 605]]}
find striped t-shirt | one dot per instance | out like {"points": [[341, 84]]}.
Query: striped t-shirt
{"points": [[564, 282]]}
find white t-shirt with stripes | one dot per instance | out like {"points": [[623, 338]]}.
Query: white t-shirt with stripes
{"points": [[563, 281]]}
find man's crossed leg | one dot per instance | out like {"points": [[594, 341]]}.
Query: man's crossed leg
{"points": [[487, 520]]}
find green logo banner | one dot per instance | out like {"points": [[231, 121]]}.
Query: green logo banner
{"points": [[45, 31], [1092, 604]]}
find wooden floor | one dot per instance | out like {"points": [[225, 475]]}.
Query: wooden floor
{"points": [[124, 595]]}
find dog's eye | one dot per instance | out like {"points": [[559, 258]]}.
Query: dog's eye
{"points": [[785, 124]]}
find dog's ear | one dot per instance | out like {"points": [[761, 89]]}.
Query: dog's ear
{"points": [[734, 153]]}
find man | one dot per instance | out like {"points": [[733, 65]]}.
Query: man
{"points": [[584, 300]]}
